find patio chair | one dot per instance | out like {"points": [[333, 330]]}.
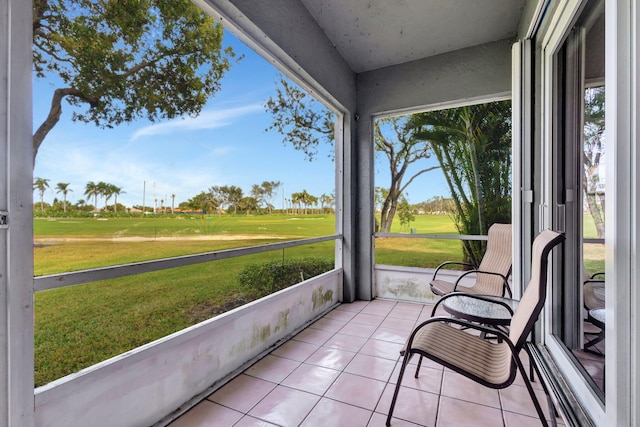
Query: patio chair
{"points": [[495, 364], [491, 275], [593, 290], [594, 301]]}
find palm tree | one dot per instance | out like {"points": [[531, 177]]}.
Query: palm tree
{"points": [[41, 184], [63, 187], [305, 198], [92, 189], [326, 201], [115, 191], [473, 147], [105, 191], [173, 200]]}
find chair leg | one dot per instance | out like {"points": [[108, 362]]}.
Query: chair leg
{"points": [[552, 408], [532, 394], [405, 362], [418, 367]]}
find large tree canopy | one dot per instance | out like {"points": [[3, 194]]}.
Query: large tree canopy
{"points": [[126, 59]]}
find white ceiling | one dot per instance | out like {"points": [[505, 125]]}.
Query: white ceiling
{"points": [[371, 34]]}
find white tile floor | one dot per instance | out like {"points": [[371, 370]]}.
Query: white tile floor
{"points": [[342, 370]]}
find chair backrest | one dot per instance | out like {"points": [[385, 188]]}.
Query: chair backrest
{"points": [[497, 259], [533, 298]]}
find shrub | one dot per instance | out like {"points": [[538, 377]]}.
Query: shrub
{"points": [[266, 278]]}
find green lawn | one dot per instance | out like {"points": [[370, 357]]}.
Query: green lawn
{"points": [[78, 326]]}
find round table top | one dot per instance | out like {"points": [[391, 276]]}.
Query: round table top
{"points": [[481, 311]]}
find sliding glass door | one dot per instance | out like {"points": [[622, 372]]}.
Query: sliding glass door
{"points": [[575, 178]]}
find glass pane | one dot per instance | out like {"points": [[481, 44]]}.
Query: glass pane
{"points": [[442, 172], [579, 177], [159, 150]]}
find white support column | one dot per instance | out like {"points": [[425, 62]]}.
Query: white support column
{"points": [[16, 216], [622, 233], [521, 101]]}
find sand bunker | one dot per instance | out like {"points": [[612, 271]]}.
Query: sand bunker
{"points": [[127, 239]]}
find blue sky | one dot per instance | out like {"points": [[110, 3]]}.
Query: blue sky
{"points": [[225, 145]]}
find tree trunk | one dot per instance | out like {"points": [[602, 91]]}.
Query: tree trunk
{"points": [[54, 115]]}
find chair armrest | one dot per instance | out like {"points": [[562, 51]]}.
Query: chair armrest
{"points": [[467, 325], [594, 275], [446, 263], [505, 280]]}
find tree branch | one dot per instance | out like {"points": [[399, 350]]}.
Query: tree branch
{"points": [[54, 114]]}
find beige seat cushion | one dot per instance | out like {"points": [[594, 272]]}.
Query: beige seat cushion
{"points": [[489, 361]]}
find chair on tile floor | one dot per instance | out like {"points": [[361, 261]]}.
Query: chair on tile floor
{"points": [[493, 272], [448, 342], [593, 298]]}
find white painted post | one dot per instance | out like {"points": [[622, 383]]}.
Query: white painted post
{"points": [[16, 228]]}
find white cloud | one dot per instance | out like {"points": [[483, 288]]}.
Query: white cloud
{"points": [[206, 120]]}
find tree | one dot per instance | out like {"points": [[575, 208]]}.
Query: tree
{"points": [[81, 205], [296, 116], [105, 191], [401, 151], [63, 187], [473, 147], [122, 60], [406, 212], [115, 191], [264, 193], [257, 193], [299, 118], [296, 199], [41, 184], [304, 198], [173, 201], [203, 202], [327, 201], [248, 204], [269, 190], [227, 196], [594, 136], [92, 189]]}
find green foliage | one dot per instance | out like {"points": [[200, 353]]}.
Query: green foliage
{"points": [[406, 212], [473, 147], [266, 278], [127, 59], [299, 118], [41, 184]]}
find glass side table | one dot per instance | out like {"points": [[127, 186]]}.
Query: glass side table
{"points": [[490, 311]]}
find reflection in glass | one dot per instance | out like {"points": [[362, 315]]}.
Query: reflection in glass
{"points": [[578, 316]]}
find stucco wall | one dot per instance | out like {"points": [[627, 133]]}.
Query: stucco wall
{"points": [[140, 387]]}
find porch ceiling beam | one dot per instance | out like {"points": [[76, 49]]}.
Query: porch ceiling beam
{"points": [[285, 33]]}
